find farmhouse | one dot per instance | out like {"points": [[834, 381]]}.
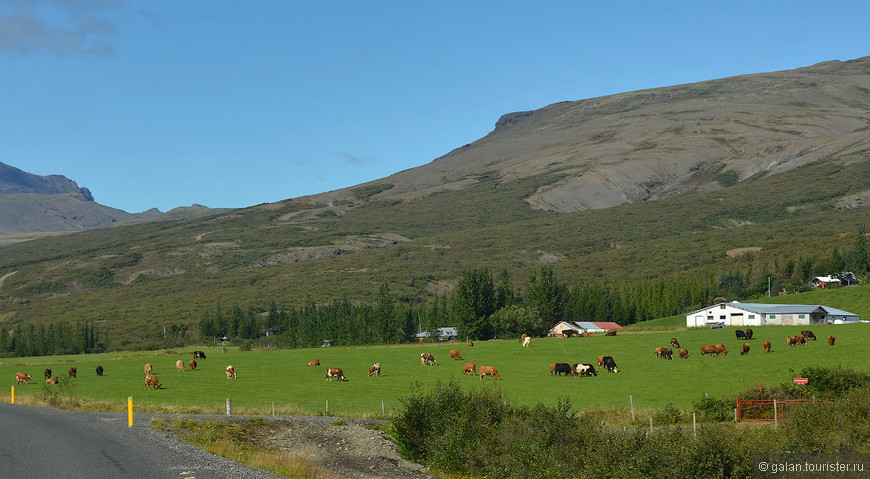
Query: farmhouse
{"points": [[444, 334], [757, 314], [822, 281], [576, 328]]}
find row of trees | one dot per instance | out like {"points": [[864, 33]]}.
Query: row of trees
{"points": [[52, 339]]}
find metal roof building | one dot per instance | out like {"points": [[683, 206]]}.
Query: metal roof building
{"points": [[759, 314]]}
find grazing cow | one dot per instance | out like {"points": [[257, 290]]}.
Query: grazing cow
{"points": [[199, 355], [47, 373], [192, 364], [51, 381], [179, 365], [586, 335], [709, 349], [667, 353], [744, 349], [147, 369], [489, 371], [334, 373], [796, 340], [766, 346], [831, 339], [721, 349], [72, 371], [21, 377], [808, 335], [610, 333], [527, 342], [426, 358], [748, 333], [468, 343], [684, 353], [316, 362], [231, 372], [740, 334], [469, 368], [675, 343], [610, 365], [600, 361], [658, 351], [375, 370], [560, 368], [523, 338], [583, 369], [151, 380], [99, 370], [454, 354]]}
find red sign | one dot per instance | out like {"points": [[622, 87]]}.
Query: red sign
{"points": [[800, 380]]}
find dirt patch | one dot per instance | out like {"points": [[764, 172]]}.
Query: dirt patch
{"points": [[731, 253]]}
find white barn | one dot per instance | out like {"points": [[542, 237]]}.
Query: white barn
{"points": [[759, 314]]}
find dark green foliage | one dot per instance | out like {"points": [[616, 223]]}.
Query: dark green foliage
{"points": [[836, 382], [727, 178], [366, 192]]}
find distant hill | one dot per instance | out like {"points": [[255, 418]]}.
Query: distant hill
{"points": [[33, 205], [765, 173]]}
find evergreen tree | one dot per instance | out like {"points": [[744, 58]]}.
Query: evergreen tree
{"points": [[548, 297], [385, 315], [474, 303], [862, 256]]}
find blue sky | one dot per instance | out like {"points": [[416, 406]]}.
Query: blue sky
{"points": [[167, 103]]}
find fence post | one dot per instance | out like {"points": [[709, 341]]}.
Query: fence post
{"points": [[775, 415], [631, 401], [383, 411], [650, 426], [327, 406], [735, 416], [229, 407], [273, 408], [13, 394], [694, 425]]}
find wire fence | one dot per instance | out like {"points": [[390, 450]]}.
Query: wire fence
{"points": [[769, 409]]}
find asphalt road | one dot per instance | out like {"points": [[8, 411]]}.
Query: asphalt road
{"points": [[41, 443]]}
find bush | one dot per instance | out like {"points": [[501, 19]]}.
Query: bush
{"points": [[833, 382], [716, 410]]}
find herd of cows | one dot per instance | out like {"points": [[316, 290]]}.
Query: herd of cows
{"points": [[556, 368]]}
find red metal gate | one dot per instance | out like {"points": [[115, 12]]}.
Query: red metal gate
{"points": [[768, 409]]}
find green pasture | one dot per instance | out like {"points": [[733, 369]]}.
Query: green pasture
{"points": [[283, 378]]}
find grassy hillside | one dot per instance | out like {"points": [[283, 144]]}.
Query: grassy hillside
{"points": [[136, 279], [265, 377]]}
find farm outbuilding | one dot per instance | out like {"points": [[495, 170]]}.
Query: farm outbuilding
{"points": [[576, 328], [759, 314]]}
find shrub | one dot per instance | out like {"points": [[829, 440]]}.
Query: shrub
{"points": [[712, 409]]}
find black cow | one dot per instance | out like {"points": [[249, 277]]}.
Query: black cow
{"points": [[610, 365], [748, 333], [564, 368], [199, 355], [740, 334], [99, 370]]}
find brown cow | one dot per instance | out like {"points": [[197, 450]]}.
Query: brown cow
{"points": [[72, 371], [375, 370], [831, 339], [454, 354], [179, 365], [523, 338], [426, 358], [316, 362], [47, 373], [51, 381], [334, 373], [147, 369], [192, 365], [709, 349], [468, 343], [766, 346], [600, 361], [667, 353], [721, 349], [744, 349], [469, 368], [488, 371], [684, 353], [21, 377], [231, 372], [151, 380], [808, 335], [675, 343], [587, 334], [658, 351], [612, 332]]}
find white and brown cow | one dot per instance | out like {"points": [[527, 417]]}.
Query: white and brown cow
{"points": [[316, 362], [375, 370], [427, 358], [51, 381], [21, 377], [231, 372], [147, 369], [179, 365], [527, 341], [334, 373]]}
